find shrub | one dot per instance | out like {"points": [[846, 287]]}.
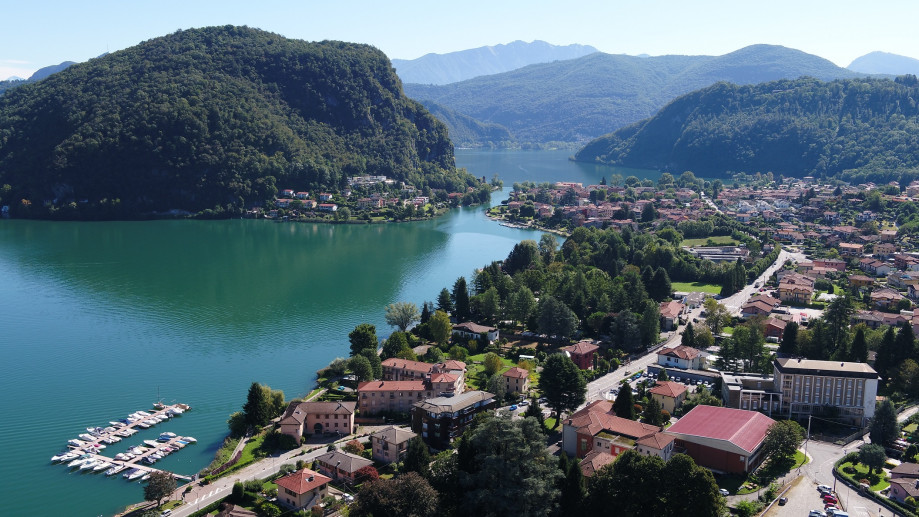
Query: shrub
{"points": [[353, 447], [665, 414]]}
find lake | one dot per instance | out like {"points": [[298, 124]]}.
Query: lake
{"points": [[98, 320]]}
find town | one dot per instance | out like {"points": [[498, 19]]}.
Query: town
{"points": [[741, 337]]}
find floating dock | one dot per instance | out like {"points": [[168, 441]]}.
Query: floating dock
{"points": [[95, 440]]}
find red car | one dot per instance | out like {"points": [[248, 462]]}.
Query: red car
{"points": [[830, 498]]}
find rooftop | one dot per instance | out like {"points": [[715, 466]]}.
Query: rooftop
{"points": [[347, 462], [455, 403], [745, 429], [680, 351], [394, 434], [828, 368], [302, 481], [668, 389]]}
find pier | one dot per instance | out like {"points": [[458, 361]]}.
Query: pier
{"points": [[94, 441]]}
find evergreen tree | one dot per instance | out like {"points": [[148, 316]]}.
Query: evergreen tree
{"points": [[427, 309], [376, 365], [662, 375], [257, 408], [859, 349], [904, 344], [417, 457], [363, 337], [650, 324], [689, 336], [395, 344], [660, 288], [789, 344], [572, 488], [461, 300], [562, 385], [445, 301], [624, 405], [838, 316], [534, 411], [884, 427], [884, 362], [360, 367], [652, 413]]}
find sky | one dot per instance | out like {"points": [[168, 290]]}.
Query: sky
{"points": [[38, 33]]}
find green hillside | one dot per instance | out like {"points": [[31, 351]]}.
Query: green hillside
{"points": [[213, 119], [855, 128], [580, 99]]}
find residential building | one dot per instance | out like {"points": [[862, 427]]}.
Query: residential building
{"points": [[441, 420], [342, 466], [885, 298], [596, 427], [847, 390], [837, 264], [775, 328], [516, 380], [302, 489], [684, 357], [389, 445], [669, 394], [470, 330], [760, 305], [302, 418], [670, 314], [752, 391], [860, 281], [904, 482], [722, 439], [848, 249], [391, 396], [582, 354], [594, 461], [661, 445], [796, 288], [448, 376]]}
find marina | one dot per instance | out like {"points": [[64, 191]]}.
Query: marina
{"points": [[85, 454]]}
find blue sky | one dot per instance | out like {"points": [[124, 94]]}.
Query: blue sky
{"points": [[38, 33]]}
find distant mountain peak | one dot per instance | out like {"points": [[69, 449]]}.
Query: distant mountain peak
{"points": [[493, 59], [878, 62]]}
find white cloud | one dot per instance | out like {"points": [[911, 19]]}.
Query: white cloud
{"points": [[14, 62]]}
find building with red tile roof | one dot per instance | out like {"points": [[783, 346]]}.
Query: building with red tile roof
{"points": [[660, 445], [516, 380], [670, 394], [670, 314], [723, 439], [594, 461], [582, 353], [596, 427], [302, 489], [680, 356]]}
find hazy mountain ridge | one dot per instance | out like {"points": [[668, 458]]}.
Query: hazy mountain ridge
{"points": [[576, 100], [855, 128], [494, 59], [885, 63], [39, 74]]}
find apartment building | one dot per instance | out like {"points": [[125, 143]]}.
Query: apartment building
{"points": [[842, 389]]}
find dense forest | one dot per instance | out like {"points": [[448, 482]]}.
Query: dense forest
{"points": [[576, 100], [213, 119], [855, 129]]}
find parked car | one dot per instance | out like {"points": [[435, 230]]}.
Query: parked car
{"points": [[724, 492], [817, 513], [830, 498], [824, 489], [513, 407], [524, 402], [782, 501]]}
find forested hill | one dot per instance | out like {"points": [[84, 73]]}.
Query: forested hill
{"points": [[216, 118], [856, 128], [580, 99]]}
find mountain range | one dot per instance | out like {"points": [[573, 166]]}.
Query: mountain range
{"points": [[856, 129], [885, 63], [39, 74], [213, 119], [579, 99]]}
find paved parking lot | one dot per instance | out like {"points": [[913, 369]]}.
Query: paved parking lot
{"points": [[803, 497]]}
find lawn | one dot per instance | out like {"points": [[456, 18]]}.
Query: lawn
{"points": [[764, 476], [688, 287], [727, 330], [475, 373], [721, 240], [862, 473], [549, 423]]}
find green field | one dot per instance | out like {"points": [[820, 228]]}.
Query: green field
{"points": [[721, 240], [689, 287]]}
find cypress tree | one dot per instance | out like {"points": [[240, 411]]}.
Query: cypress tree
{"points": [[789, 344], [859, 350], [624, 406], [461, 300], [689, 336]]}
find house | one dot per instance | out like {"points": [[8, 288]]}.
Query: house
{"points": [[723, 439], [670, 394], [874, 266], [328, 207], [796, 288], [325, 196], [904, 482], [680, 356], [470, 330], [302, 418], [516, 380], [775, 327], [670, 314], [597, 428], [391, 396], [885, 298], [582, 354], [441, 420], [660, 445], [888, 235], [837, 264], [860, 281], [302, 489], [342, 466], [594, 461], [389, 445], [808, 386], [448, 376], [760, 305], [884, 250], [848, 249]]}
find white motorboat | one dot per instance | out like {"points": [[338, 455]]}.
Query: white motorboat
{"points": [[143, 413], [146, 477], [174, 411], [69, 457], [128, 473], [76, 443], [87, 437], [137, 474], [89, 464], [58, 457], [79, 461], [114, 470], [189, 439], [161, 418], [151, 443], [116, 424], [143, 425], [102, 465]]}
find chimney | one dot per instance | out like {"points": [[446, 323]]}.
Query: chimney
{"points": [[309, 479]]}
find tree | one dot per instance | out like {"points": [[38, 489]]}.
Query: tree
{"points": [[160, 486], [562, 385], [858, 351], [427, 309], [521, 304], [237, 424], [789, 344], [417, 457], [716, 315], [693, 486], [652, 413], [660, 288], [353, 447], [376, 365], [838, 315], [257, 407], [650, 324], [524, 254], [487, 305], [548, 244], [884, 362], [572, 488], [624, 405], [497, 387], [873, 456], [689, 336], [492, 363], [782, 440], [445, 301], [407, 495], [402, 315], [458, 353], [363, 337], [364, 474], [632, 485], [433, 355], [703, 337], [884, 428], [662, 375], [461, 300], [396, 343], [507, 457], [360, 367], [556, 319], [440, 327]]}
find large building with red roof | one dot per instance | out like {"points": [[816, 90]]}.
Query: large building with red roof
{"points": [[582, 354], [597, 428], [722, 439]]}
